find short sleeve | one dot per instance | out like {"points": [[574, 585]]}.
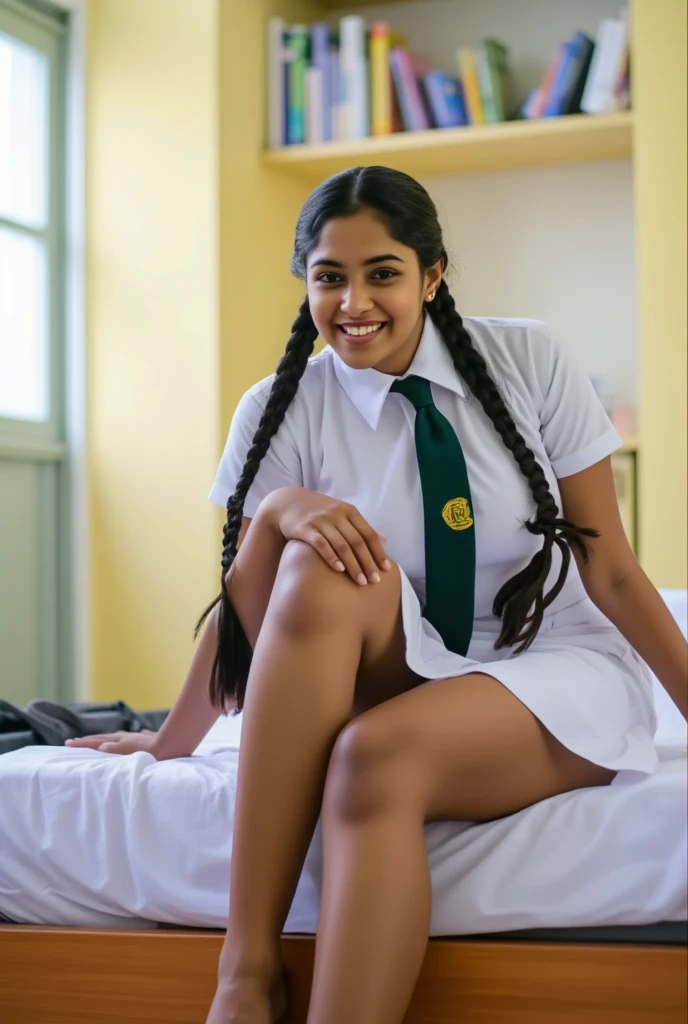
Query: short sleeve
{"points": [[575, 428], [280, 466]]}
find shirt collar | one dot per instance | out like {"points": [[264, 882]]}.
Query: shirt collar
{"points": [[369, 388]]}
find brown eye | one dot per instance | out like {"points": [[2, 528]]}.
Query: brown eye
{"points": [[387, 272], [329, 278]]}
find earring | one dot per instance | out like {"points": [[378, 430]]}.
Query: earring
{"points": [[430, 297]]}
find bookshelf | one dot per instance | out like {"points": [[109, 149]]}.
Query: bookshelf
{"points": [[262, 193], [580, 138]]}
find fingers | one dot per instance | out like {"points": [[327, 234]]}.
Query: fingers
{"points": [[344, 549], [93, 742], [373, 540], [357, 557]]}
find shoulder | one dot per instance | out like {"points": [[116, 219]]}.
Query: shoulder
{"points": [[304, 412], [316, 378], [518, 351]]}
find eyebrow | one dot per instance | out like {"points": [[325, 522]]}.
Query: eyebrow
{"points": [[385, 258]]}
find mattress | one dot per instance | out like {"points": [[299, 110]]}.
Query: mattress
{"points": [[92, 839]]}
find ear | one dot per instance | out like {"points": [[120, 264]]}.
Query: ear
{"points": [[431, 281]]}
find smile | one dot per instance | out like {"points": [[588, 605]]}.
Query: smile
{"points": [[361, 332]]}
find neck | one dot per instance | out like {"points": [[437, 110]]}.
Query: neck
{"points": [[398, 362]]}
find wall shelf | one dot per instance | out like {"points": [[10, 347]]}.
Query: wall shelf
{"points": [[334, 5], [576, 138]]}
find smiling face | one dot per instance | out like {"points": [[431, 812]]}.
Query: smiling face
{"points": [[366, 293]]}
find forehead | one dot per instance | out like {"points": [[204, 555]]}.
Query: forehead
{"points": [[355, 239]]}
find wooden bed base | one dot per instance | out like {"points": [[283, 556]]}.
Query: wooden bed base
{"points": [[87, 976]]}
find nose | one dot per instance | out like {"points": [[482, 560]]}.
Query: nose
{"points": [[356, 299]]}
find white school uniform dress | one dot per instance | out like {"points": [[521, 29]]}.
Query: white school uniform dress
{"points": [[346, 436]]}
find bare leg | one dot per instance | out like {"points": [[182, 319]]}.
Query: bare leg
{"points": [[309, 659], [455, 749]]}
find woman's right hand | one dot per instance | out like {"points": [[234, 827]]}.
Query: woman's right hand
{"points": [[336, 530], [118, 742]]}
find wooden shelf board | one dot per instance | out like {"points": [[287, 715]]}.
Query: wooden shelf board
{"points": [[335, 5], [577, 138]]}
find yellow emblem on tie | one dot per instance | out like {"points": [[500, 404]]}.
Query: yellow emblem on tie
{"points": [[457, 514]]}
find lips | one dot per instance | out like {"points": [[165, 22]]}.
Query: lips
{"points": [[361, 331]]}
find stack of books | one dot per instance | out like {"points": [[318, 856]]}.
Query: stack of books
{"points": [[359, 80], [592, 77]]}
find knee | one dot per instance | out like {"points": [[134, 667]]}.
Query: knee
{"points": [[306, 593], [370, 769]]}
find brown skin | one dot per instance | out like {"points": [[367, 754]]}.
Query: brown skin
{"points": [[335, 722], [348, 282]]}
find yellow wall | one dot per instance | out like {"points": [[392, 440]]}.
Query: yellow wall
{"points": [[259, 208], [659, 97], [152, 345]]}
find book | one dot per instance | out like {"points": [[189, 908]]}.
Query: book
{"points": [[545, 89], [314, 102], [468, 74], [608, 56], [445, 99], [320, 59], [407, 69], [380, 79], [277, 83], [354, 80], [336, 118], [572, 70], [298, 47], [493, 68]]}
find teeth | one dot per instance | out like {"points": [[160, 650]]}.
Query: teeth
{"points": [[357, 332]]}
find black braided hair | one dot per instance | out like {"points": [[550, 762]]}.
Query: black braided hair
{"points": [[411, 218], [233, 658], [521, 602]]}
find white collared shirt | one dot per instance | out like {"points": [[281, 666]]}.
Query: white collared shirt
{"points": [[344, 435]]}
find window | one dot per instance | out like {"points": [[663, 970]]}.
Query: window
{"points": [[34, 564]]}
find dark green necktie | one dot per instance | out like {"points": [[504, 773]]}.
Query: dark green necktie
{"points": [[448, 511]]}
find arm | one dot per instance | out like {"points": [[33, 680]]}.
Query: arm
{"points": [[618, 586], [192, 714]]}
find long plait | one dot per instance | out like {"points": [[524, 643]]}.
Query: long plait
{"points": [[521, 602], [232, 662]]}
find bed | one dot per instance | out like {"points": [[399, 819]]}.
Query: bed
{"points": [[115, 871]]}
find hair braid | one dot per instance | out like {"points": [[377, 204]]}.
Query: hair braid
{"points": [[521, 602], [233, 659]]}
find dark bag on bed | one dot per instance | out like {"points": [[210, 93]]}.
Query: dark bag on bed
{"points": [[45, 722]]}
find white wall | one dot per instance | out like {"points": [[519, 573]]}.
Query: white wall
{"points": [[552, 243]]}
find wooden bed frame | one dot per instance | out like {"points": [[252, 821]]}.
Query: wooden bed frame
{"points": [[88, 976]]}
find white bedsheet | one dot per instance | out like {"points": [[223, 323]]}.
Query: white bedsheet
{"points": [[94, 839]]}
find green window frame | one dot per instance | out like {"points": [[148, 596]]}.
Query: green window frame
{"points": [[35, 452]]}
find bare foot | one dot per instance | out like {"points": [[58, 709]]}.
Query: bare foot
{"points": [[248, 1001]]}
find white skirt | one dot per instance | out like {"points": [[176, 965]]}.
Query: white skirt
{"points": [[580, 678]]}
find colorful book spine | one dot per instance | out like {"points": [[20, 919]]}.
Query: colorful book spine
{"points": [[545, 89], [314, 105], [298, 45], [493, 71], [610, 45], [320, 59], [335, 91], [577, 54], [468, 73], [445, 99], [407, 69], [380, 80], [277, 82], [354, 71]]}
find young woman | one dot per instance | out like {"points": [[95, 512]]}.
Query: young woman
{"points": [[400, 616]]}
